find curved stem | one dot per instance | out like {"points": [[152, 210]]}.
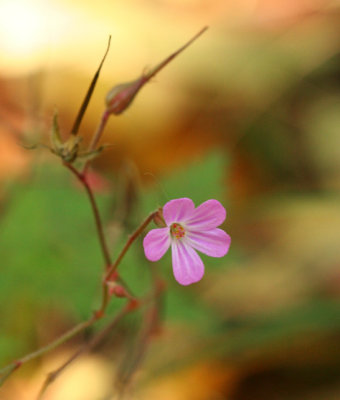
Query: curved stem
{"points": [[99, 131], [9, 369], [150, 326], [96, 137], [132, 238], [52, 376], [110, 275], [111, 271], [81, 177]]}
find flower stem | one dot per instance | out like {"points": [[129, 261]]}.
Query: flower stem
{"points": [[82, 178], [97, 135], [110, 273], [132, 238], [160, 66], [150, 326]]}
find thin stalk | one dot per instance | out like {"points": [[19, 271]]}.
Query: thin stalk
{"points": [[151, 323], [160, 66], [9, 369], [132, 238], [81, 177], [95, 138], [99, 131], [139, 84], [52, 376], [111, 270]]}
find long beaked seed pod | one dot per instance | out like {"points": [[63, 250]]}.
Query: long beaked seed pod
{"points": [[121, 96]]}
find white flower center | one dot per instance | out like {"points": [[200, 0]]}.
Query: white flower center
{"points": [[177, 231]]}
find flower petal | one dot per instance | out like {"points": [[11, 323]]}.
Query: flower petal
{"points": [[186, 263], [156, 243], [214, 243], [208, 215], [178, 210]]}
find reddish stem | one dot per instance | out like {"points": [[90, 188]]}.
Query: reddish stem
{"points": [[82, 178], [97, 135]]}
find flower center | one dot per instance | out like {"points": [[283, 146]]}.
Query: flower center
{"points": [[177, 231]]}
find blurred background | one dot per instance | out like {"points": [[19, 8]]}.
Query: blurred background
{"points": [[249, 115]]}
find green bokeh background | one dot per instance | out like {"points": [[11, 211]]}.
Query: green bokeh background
{"points": [[249, 115]]}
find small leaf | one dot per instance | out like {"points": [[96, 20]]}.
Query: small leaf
{"points": [[83, 107], [55, 133], [92, 154], [34, 146]]}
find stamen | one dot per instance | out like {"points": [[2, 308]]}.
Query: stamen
{"points": [[177, 231]]}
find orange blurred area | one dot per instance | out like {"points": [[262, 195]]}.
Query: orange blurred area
{"points": [[253, 107], [49, 47]]}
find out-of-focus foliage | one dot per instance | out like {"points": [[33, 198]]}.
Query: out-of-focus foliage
{"points": [[250, 115], [257, 304], [50, 255]]}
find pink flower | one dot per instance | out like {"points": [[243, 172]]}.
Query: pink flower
{"points": [[188, 229]]}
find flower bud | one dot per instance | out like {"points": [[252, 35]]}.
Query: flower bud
{"points": [[120, 97], [158, 218], [118, 291], [67, 150], [132, 305]]}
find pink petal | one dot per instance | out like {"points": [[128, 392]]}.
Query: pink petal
{"points": [[214, 243], [156, 243], [208, 215], [186, 263], [178, 210]]}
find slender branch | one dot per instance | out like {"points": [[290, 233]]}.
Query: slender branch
{"points": [[9, 369], [139, 83], [110, 274], [160, 66], [111, 271], [82, 178], [110, 268], [52, 376], [99, 130], [97, 135], [129, 242], [150, 326]]}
